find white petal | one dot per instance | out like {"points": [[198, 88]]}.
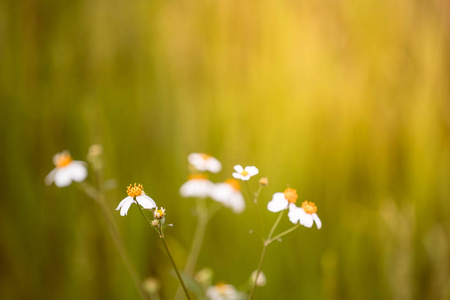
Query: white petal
{"points": [[306, 220], [295, 214], [63, 177], [200, 188], [317, 220], [78, 170], [237, 202], [278, 203], [123, 201], [252, 171], [238, 176], [50, 177], [238, 168], [146, 202], [193, 158], [221, 192], [126, 206], [214, 165]]}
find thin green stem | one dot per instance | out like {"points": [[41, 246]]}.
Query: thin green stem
{"points": [[259, 269], [254, 199], [283, 233], [275, 224], [99, 196], [173, 263]]}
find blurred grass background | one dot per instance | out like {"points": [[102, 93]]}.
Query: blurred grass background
{"points": [[346, 101]]}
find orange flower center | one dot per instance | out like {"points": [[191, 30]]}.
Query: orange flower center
{"points": [[234, 183], [309, 207], [205, 156], [222, 287], [159, 213], [63, 160], [244, 173], [290, 195], [198, 176], [136, 190]]}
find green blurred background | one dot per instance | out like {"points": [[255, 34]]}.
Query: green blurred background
{"points": [[346, 101]]}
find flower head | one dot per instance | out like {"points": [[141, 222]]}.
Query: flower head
{"points": [[229, 194], [203, 162], [222, 291], [159, 213], [305, 215], [244, 173], [136, 195], [66, 171], [280, 201], [264, 181], [197, 186]]}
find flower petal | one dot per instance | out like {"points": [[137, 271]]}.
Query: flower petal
{"points": [[214, 165], [123, 201], [62, 177], [252, 171], [78, 170], [200, 188], [125, 206], [317, 220], [237, 202], [145, 201], [50, 177], [306, 220], [238, 168], [278, 203]]}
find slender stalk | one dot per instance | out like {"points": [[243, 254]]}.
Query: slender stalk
{"points": [[283, 233], [254, 199], [275, 225], [99, 196], [260, 264], [173, 263]]}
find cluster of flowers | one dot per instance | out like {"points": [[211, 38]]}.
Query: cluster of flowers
{"points": [[228, 192]]}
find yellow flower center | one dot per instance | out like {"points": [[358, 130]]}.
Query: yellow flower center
{"points": [[234, 183], [309, 207], [136, 190], [63, 160], [244, 173], [198, 176], [290, 195], [222, 287], [205, 156], [159, 213]]}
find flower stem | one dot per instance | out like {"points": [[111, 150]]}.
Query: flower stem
{"points": [[260, 264], [254, 199], [161, 235], [283, 233], [99, 196]]}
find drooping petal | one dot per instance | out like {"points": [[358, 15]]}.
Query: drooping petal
{"points": [[78, 170], [214, 165], [252, 171], [63, 177], [306, 220], [237, 202], [317, 220], [221, 192], [295, 214], [278, 203], [238, 168], [50, 177], [124, 201], [145, 201], [126, 206]]}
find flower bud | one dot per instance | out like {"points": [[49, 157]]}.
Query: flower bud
{"points": [[261, 279], [264, 181], [152, 285], [204, 276], [155, 223]]}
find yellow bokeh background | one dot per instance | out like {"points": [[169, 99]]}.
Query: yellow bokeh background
{"points": [[346, 101]]}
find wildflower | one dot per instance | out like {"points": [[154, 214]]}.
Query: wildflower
{"points": [[280, 201], [136, 195], [204, 162], [305, 215], [66, 171], [229, 194], [261, 278], [197, 185], [159, 213], [244, 173], [222, 291]]}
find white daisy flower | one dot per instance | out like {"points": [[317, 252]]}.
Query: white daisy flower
{"points": [[222, 291], [244, 173], [229, 194], [305, 215], [66, 171], [280, 201], [197, 186], [136, 195], [204, 162]]}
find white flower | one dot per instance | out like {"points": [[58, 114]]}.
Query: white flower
{"points": [[198, 186], [229, 194], [136, 195], [204, 162], [305, 215], [261, 278], [66, 171], [244, 173], [223, 291], [280, 201]]}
